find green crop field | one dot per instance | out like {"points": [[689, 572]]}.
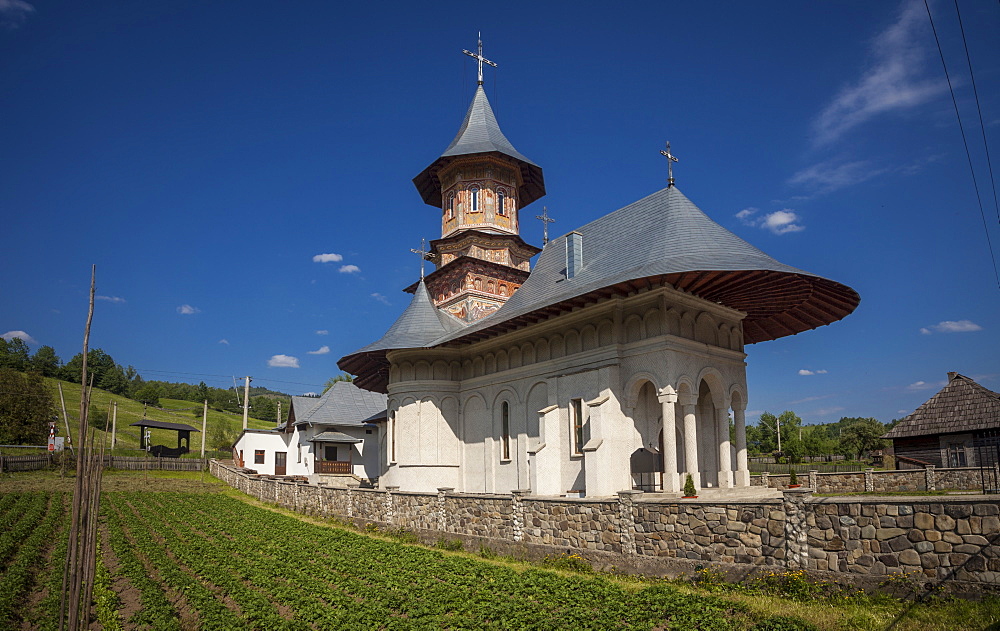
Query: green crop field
{"points": [[181, 553]]}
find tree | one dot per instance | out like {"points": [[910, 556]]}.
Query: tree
{"points": [[148, 393], [341, 377], [863, 436], [114, 381], [263, 408], [766, 435], [45, 362], [98, 363], [26, 407], [221, 437], [14, 354]]}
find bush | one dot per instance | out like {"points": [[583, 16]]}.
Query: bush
{"points": [[567, 561], [455, 545], [689, 490], [793, 478]]}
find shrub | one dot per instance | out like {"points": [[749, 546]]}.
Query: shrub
{"points": [[793, 478], [689, 490], [567, 561], [455, 545]]}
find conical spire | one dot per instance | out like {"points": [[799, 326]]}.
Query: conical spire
{"points": [[480, 134]]}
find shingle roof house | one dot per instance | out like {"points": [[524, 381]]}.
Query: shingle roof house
{"points": [[949, 427], [627, 337]]}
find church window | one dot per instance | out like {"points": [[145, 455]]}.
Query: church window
{"points": [[474, 198], [576, 418], [258, 456], [500, 200], [451, 205], [392, 436], [505, 430]]}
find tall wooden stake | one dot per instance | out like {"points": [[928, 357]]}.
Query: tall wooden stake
{"points": [[69, 434], [114, 427], [204, 425]]}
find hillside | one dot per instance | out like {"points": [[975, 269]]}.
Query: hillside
{"points": [[129, 411]]}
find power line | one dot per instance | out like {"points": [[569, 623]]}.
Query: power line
{"points": [[982, 125], [965, 142]]}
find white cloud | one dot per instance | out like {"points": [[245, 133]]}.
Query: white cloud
{"points": [[322, 350], [902, 411], [224, 341], [380, 298], [114, 299], [328, 258], [834, 174], [349, 269], [923, 385], [310, 394], [778, 222], [805, 372], [952, 326], [283, 361], [893, 80], [188, 310], [24, 337], [827, 411], [322, 332], [808, 399], [14, 13]]}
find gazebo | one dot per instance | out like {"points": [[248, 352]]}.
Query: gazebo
{"points": [[183, 437]]}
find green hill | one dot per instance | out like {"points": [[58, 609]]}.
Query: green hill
{"points": [[172, 411]]}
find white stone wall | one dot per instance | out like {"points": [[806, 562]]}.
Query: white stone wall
{"points": [[448, 401]]}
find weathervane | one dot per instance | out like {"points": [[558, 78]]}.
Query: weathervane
{"points": [[546, 220], [478, 56], [424, 255], [670, 164]]}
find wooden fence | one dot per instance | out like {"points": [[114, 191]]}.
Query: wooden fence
{"points": [[126, 463], [24, 463]]}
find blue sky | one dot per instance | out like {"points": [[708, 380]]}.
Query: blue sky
{"points": [[240, 172]]}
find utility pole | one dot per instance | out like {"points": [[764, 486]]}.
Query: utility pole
{"points": [[279, 411], [204, 425], [777, 422], [114, 426], [246, 402]]}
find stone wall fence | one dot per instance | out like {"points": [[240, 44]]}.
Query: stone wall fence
{"points": [[943, 539], [930, 478]]}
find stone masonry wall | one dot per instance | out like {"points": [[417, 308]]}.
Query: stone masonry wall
{"points": [[893, 481], [953, 538]]}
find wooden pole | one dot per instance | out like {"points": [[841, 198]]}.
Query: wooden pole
{"points": [[114, 427], [69, 434], [204, 426], [246, 402]]}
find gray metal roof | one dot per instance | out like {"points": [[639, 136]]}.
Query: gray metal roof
{"points": [[961, 406], [179, 427], [419, 325], [666, 235], [344, 404], [334, 437], [480, 134]]}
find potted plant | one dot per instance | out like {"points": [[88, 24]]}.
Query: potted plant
{"points": [[793, 479], [689, 491]]}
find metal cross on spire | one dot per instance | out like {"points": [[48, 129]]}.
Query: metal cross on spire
{"points": [[478, 56], [670, 164], [425, 255], [546, 220]]}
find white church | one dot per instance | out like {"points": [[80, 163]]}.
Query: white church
{"points": [[615, 363]]}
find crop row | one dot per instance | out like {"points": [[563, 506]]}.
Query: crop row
{"points": [[44, 517], [333, 578]]}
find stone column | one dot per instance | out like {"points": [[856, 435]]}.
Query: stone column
{"points": [[930, 479], [517, 512], [442, 512], [668, 399], [869, 480], [742, 467], [389, 503], [688, 403], [814, 480], [796, 528], [626, 520], [725, 451], [764, 482]]}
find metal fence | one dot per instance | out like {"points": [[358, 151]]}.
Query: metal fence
{"points": [[805, 467], [987, 447]]}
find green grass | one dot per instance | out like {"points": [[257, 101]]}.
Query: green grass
{"points": [[129, 411]]}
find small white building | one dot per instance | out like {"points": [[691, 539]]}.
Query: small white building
{"points": [[332, 439]]}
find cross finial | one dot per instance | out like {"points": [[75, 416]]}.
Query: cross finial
{"points": [[478, 56], [670, 164], [546, 220], [425, 255]]}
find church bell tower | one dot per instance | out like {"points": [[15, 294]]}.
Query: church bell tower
{"points": [[480, 184]]}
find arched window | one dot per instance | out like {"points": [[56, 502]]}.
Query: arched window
{"points": [[501, 197], [451, 205], [505, 430], [474, 198]]}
